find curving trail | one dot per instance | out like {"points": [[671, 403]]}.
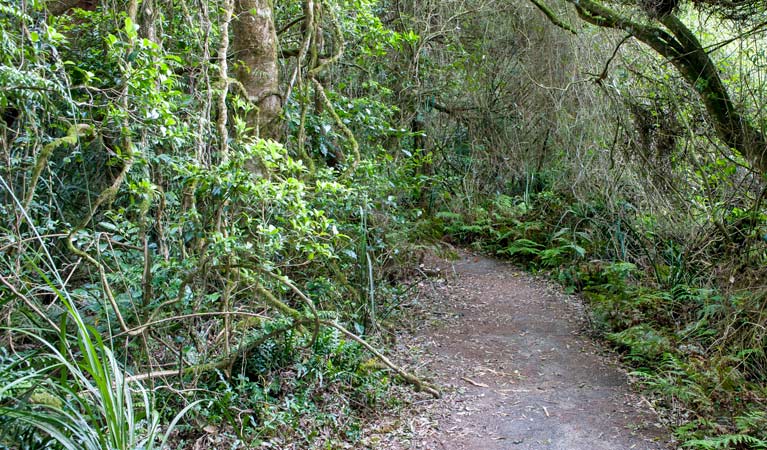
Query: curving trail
{"points": [[519, 370]]}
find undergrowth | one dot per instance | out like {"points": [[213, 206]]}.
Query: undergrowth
{"points": [[243, 281]]}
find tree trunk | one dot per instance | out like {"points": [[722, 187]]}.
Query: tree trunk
{"points": [[254, 47], [59, 7]]}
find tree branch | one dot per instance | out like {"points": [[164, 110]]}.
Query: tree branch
{"points": [[552, 16], [680, 46]]}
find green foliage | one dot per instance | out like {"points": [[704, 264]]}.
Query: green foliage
{"points": [[292, 394], [111, 134], [525, 247], [643, 342], [77, 394], [727, 441]]}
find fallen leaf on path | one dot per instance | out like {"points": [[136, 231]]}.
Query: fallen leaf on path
{"points": [[474, 383]]}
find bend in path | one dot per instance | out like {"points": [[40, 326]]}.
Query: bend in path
{"points": [[520, 373]]}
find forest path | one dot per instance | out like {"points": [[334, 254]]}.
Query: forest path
{"points": [[518, 369]]}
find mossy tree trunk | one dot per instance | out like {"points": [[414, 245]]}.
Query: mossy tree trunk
{"points": [[254, 50]]}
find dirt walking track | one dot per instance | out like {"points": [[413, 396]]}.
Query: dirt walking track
{"points": [[518, 369]]}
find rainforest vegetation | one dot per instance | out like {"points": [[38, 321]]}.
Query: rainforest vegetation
{"points": [[208, 208]]}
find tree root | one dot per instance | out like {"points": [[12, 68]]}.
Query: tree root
{"points": [[298, 321], [408, 377]]}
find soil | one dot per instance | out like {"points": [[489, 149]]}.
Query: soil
{"points": [[518, 368]]}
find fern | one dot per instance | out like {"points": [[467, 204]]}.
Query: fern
{"points": [[752, 420], [448, 216], [552, 257], [727, 441], [674, 379], [643, 342], [524, 247], [749, 426]]}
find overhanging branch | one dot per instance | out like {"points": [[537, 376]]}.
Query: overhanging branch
{"points": [[675, 42], [553, 18]]}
